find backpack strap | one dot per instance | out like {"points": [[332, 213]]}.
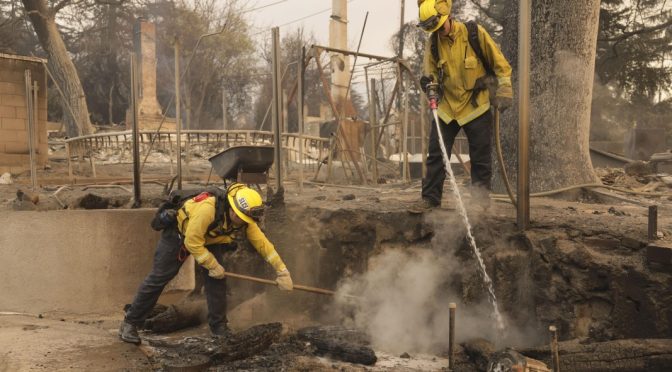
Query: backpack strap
{"points": [[475, 43], [221, 208]]}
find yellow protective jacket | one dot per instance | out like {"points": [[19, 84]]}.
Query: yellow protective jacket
{"points": [[461, 68], [193, 220]]}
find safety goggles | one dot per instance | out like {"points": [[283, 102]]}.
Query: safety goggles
{"points": [[430, 23], [255, 213]]}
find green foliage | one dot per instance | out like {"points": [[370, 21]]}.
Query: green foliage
{"points": [[632, 50]]}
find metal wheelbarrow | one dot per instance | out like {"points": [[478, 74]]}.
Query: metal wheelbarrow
{"points": [[244, 164]]}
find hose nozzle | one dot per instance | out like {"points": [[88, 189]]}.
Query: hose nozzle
{"points": [[433, 95]]}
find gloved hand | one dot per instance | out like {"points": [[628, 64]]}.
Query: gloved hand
{"points": [[424, 81], [284, 280], [217, 272], [504, 98]]}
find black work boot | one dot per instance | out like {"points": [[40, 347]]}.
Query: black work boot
{"points": [[220, 331], [129, 333], [422, 206]]}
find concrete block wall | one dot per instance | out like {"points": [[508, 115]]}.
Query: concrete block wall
{"points": [[14, 154]]}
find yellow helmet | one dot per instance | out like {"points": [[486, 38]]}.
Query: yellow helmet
{"points": [[246, 203], [433, 15]]}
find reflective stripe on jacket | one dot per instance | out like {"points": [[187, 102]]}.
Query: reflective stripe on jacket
{"points": [[196, 236], [461, 69]]}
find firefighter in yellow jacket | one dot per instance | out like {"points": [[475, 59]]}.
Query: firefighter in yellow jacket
{"points": [[451, 61], [205, 230]]}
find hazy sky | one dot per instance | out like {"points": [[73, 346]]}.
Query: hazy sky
{"points": [[382, 23]]}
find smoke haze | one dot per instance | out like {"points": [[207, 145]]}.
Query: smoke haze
{"points": [[405, 297]]}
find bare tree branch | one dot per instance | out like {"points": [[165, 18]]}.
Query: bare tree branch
{"points": [[60, 5], [485, 11], [627, 35]]}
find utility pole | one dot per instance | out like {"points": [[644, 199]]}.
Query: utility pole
{"points": [[338, 38]]}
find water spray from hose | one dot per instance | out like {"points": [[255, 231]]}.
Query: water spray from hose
{"points": [[433, 95]]}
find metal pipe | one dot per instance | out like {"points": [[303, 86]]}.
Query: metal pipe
{"points": [[524, 41], [300, 103], [555, 353], [373, 122], [404, 125], [268, 109], [653, 222], [31, 126], [451, 336], [35, 130], [107, 187], [178, 121], [351, 53], [136, 143], [60, 92], [354, 64], [277, 106]]}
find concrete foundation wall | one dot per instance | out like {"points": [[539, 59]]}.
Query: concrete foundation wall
{"points": [[77, 261]]}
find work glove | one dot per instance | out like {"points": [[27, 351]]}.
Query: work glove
{"points": [[504, 98], [210, 263], [284, 280], [217, 272], [424, 81]]}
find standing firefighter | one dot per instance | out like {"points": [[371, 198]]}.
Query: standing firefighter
{"points": [[204, 227], [467, 65]]}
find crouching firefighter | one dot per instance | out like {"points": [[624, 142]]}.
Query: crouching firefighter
{"points": [[204, 226]]}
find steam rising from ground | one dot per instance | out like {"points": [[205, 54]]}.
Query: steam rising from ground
{"points": [[405, 296]]}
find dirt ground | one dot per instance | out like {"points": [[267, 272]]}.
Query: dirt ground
{"points": [[585, 230]]}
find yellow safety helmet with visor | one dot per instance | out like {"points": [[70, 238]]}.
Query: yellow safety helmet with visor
{"points": [[246, 203], [433, 14]]}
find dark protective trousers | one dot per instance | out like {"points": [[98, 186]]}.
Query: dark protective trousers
{"points": [[479, 135], [166, 266]]}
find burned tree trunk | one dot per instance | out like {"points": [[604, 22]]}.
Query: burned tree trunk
{"points": [[564, 39], [339, 343], [247, 343], [185, 314], [61, 66]]}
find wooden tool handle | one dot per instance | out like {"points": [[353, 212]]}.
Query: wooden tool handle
{"points": [[273, 282]]}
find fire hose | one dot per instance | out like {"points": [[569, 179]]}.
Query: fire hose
{"points": [[433, 96], [500, 158]]}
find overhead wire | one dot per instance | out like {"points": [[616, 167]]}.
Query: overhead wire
{"points": [[299, 19], [264, 6]]}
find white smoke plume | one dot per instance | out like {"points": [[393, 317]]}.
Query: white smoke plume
{"points": [[405, 296]]}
